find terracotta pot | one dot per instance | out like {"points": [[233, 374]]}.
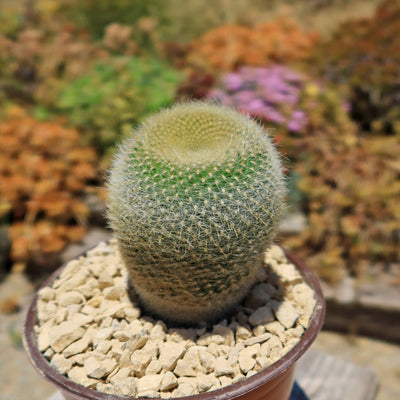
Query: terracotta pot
{"points": [[273, 383]]}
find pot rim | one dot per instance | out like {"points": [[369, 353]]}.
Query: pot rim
{"points": [[232, 391]]}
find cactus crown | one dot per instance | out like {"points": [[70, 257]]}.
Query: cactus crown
{"points": [[193, 138], [194, 198]]}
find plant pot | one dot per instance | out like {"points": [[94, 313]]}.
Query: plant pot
{"points": [[273, 383]]}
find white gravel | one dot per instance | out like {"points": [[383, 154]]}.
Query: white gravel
{"points": [[90, 331]]}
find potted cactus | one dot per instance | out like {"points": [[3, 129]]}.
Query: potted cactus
{"points": [[195, 197]]}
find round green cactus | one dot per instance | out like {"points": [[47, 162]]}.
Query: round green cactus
{"points": [[195, 196]]}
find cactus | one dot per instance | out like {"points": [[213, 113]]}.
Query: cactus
{"points": [[194, 197]]}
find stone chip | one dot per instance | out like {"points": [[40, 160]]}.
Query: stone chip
{"points": [[149, 383], [93, 368], [126, 387], [72, 297], [222, 367], [285, 313], [257, 339], [64, 334], [184, 369], [169, 381], [261, 316], [185, 389], [204, 382], [170, 353], [226, 333], [78, 375], [47, 294], [61, 364]]}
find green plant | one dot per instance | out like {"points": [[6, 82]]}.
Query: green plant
{"points": [[95, 15], [194, 198], [37, 63], [10, 19], [111, 97]]}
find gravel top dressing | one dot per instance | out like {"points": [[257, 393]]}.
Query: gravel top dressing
{"points": [[92, 332]]}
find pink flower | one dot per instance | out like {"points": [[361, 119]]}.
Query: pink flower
{"points": [[232, 81]]}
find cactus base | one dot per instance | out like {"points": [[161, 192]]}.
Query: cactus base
{"points": [[191, 311]]}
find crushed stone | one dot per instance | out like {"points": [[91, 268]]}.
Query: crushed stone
{"points": [[90, 331]]}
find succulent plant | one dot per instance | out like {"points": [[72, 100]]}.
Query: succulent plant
{"points": [[230, 46], [195, 195], [362, 57], [111, 97]]}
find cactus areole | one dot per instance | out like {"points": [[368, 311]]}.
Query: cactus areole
{"points": [[194, 198]]}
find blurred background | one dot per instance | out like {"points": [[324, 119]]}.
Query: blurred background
{"points": [[322, 75]]}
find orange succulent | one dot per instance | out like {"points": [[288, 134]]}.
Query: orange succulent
{"points": [[44, 170], [230, 46]]}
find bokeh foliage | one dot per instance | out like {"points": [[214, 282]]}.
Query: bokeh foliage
{"points": [[112, 97], [363, 57], [102, 66], [44, 171]]}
